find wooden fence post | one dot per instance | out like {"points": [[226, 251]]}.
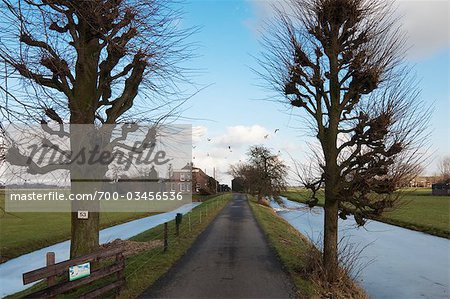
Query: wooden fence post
{"points": [[50, 260], [189, 220], [166, 243], [178, 219], [120, 258]]}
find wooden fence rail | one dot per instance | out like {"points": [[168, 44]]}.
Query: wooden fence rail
{"points": [[104, 263]]}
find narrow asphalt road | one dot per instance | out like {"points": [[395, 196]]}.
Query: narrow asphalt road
{"points": [[230, 259]]}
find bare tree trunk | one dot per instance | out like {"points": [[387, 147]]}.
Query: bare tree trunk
{"points": [[331, 208], [330, 259], [329, 145], [85, 234]]}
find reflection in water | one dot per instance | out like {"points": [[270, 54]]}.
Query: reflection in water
{"points": [[404, 263]]}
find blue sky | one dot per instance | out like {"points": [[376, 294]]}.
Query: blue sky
{"points": [[232, 110]]}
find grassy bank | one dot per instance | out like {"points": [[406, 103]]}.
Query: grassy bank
{"points": [[144, 268], [417, 210], [294, 251], [288, 243], [21, 233]]}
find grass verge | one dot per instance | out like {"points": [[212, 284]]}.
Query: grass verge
{"points": [[289, 245], [144, 268], [295, 252], [22, 233], [417, 210]]}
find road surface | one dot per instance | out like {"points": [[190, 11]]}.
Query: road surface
{"points": [[230, 259]]}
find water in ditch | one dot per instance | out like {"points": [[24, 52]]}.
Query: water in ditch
{"points": [[398, 262]]}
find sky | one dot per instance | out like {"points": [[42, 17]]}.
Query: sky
{"points": [[234, 109]]}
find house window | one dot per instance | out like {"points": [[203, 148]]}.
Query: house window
{"points": [[181, 187], [182, 177], [172, 187], [188, 187]]}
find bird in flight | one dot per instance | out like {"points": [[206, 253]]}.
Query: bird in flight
{"points": [[276, 130], [194, 146], [265, 136], [209, 139]]}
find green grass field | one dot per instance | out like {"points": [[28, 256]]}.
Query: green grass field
{"points": [[25, 232], [417, 210]]}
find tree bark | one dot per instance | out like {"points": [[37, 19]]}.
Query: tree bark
{"points": [[84, 234], [330, 258], [331, 209], [332, 174]]}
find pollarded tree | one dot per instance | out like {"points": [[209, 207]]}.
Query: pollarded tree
{"points": [[340, 61], [90, 62]]}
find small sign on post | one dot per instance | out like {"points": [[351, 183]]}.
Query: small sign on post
{"points": [[79, 271], [83, 214]]}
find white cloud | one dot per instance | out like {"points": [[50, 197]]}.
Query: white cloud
{"points": [[243, 135], [425, 22], [215, 154], [427, 25], [198, 132]]}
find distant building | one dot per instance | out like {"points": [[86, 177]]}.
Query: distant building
{"points": [[199, 180], [224, 188], [181, 180], [441, 188], [203, 183], [424, 181], [190, 178]]}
